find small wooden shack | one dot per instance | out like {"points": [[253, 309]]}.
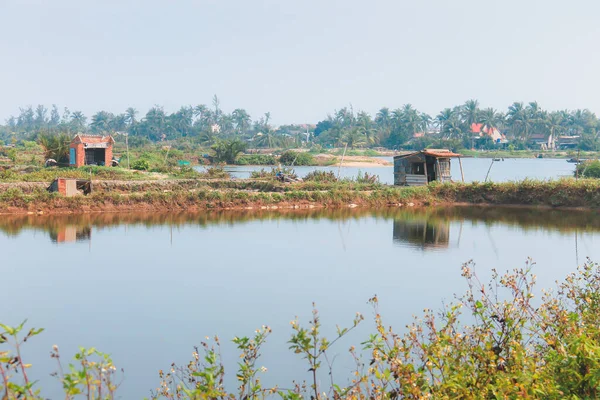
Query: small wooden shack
{"points": [[421, 167], [91, 150]]}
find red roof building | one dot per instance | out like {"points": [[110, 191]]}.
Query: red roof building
{"points": [[91, 150]]}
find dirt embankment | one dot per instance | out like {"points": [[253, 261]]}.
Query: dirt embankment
{"points": [[195, 195]]}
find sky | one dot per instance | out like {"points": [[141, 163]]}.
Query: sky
{"points": [[298, 59]]}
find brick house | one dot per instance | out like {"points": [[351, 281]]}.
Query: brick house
{"points": [[91, 150]]}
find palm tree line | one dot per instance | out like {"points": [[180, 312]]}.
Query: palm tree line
{"points": [[398, 128], [408, 127]]}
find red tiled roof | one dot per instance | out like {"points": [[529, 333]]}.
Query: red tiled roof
{"points": [[476, 128], [440, 153], [92, 139]]}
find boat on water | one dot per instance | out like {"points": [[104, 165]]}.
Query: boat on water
{"points": [[575, 160]]}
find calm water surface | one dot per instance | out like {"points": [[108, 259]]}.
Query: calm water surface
{"points": [[475, 169], [146, 288]]}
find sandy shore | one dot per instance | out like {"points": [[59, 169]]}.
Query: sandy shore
{"points": [[352, 161]]}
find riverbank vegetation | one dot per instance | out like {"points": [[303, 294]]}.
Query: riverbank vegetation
{"points": [[205, 194], [522, 126], [500, 339]]}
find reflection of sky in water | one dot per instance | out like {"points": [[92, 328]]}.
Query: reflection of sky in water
{"points": [[147, 294]]}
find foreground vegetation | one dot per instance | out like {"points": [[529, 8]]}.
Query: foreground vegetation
{"points": [[495, 341]]}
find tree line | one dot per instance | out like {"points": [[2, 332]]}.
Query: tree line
{"points": [[522, 125]]}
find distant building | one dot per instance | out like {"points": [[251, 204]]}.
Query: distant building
{"points": [[482, 130], [91, 150]]}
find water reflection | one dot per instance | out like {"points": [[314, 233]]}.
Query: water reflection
{"points": [[422, 227], [229, 272], [71, 233], [422, 233]]}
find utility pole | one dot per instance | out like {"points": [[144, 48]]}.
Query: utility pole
{"points": [[127, 146]]}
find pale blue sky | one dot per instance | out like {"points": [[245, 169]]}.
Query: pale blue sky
{"points": [[298, 59]]}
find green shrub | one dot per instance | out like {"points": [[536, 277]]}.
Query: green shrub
{"points": [[141, 165], [12, 154], [256, 159], [216, 172], [55, 146], [367, 178], [293, 158], [589, 169], [321, 176], [264, 174], [226, 151]]}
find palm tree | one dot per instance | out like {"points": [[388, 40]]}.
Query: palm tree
{"points": [[453, 127], [490, 118], [55, 146], [412, 120], [101, 121], [266, 138], [518, 120], [554, 123], [241, 119], [470, 112], [366, 127], [78, 121], [353, 137], [130, 114], [383, 118], [181, 121], [443, 117]]}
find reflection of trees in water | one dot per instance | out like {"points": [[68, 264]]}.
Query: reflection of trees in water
{"points": [[530, 218], [422, 233]]}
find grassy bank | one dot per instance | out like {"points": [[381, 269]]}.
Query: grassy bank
{"points": [[494, 341], [238, 194]]}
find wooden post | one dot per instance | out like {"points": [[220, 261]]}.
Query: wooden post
{"points": [[462, 175], [127, 145], [489, 169], [425, 166]]}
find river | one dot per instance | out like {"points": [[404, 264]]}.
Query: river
{"points": [[475, 169], [148, 287]]}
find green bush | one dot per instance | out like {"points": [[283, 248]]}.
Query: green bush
{"points": [[321, 176], [265, 174], [589, 169], [226, 151], [216, 172], [256, 159], [367, 178], [141, 165], [294, 158]]}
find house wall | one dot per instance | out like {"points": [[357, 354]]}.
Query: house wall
{"points": [[108, 155], [79, 155], [62, 186]]}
